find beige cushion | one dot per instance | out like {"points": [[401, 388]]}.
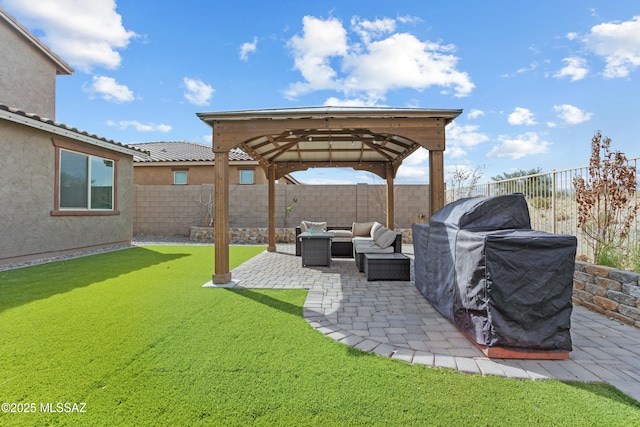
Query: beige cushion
{"points": [[385, 239], [361, 229], [341, 235]]}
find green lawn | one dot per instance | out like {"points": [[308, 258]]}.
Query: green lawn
{"points": [[133, 336]]}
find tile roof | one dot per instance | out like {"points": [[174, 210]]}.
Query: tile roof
{"points": [[183, 151], [35, 121]]}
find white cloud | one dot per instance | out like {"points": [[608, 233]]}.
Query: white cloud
{"points": [[408, 19], [420, 156], [110, 90], [412, 172], [571, 115], [576, 69], [475, 113], [522, 70], [527, 144], [382, 61], [372, 29], [197, 92], [140, 127], [335, 102], [248, 48], [619, 44], [312, 53], [86, 34], [455, 152], [460, 137], [521, 116]]}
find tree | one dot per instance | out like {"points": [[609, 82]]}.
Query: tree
{"points": [[462, 181], [606, 198]]}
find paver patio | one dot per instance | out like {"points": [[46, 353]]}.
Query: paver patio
{"points": [[393, 319]]}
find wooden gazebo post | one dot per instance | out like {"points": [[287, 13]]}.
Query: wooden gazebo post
{"points": [[436, 180], [271, 172], [221, 274], [390, 197]]}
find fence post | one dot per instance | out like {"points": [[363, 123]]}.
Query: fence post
{"points": [[554, 191]]}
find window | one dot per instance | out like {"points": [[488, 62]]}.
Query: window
{"points": [[246, 176], [85, 180], [180, 177]]}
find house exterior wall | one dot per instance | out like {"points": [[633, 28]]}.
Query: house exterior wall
{"points": [[27, 181], [173, 209], [197, 174], [27, 76]]}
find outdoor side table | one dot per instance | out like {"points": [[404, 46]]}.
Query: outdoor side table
{"points": [[393, 266], [316, 248]]}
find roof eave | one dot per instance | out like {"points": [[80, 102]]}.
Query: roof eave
{"points": [[70, 133]]}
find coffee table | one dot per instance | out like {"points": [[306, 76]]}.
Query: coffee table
{"points": [[387, 267], [315, 248]]}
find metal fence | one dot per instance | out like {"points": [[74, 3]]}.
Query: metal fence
{"points": [[551, 197]]}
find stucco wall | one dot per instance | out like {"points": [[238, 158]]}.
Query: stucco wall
{"points": [[27, 76], [172, 210], [27, 228], [161, 174]]}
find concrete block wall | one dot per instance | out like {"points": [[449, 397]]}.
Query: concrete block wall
{"points": [[608, 291], [173, 209], [170, 209]]}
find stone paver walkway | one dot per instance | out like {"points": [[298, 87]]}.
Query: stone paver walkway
{"points": [[393, 319]]}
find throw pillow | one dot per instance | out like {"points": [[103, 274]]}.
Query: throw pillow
{"points": [[374, 227], [378, 232], [386, 238]]}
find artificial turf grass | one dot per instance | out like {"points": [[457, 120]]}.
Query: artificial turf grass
{"points": [[133, 334]]}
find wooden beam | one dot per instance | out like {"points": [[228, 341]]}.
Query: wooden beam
{"points": [[272, 209], [221, 220], [436, 181], [377, 168], [232, 132], [390, 198]]}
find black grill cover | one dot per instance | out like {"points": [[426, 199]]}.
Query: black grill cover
{"points": [[504, 285]]}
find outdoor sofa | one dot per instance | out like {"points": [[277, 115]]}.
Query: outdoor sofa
{"points": [[346, 239]]}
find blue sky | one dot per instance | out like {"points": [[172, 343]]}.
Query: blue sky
{"points": [[536, 80]]}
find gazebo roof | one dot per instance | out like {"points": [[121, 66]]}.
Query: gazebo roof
{"points": [[361, 138]]}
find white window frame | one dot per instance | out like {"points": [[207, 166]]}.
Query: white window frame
{"points": [[175, 175], [253, 176]]}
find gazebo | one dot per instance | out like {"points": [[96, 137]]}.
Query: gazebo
{"points": [[375, 139]]}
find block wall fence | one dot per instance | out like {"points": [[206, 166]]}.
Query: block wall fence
{"points": [[173, 209]]}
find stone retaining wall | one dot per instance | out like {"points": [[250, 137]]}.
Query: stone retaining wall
{"points": [[608, 291], [244, 236], [260, 236]]}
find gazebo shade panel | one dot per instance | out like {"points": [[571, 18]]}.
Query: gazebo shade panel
{"points": [[360, 138]]}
